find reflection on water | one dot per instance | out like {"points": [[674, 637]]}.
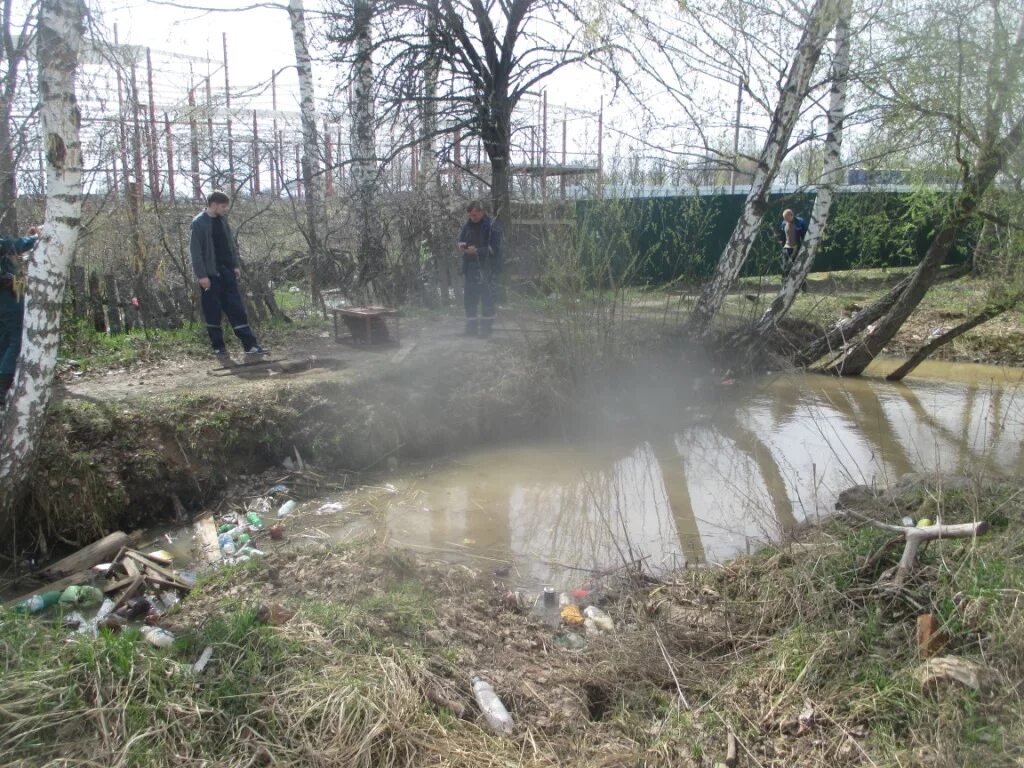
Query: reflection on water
{"points": [[713, 481]]}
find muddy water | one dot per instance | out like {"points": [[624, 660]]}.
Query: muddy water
{"points": [[712, 476], [709, 482]]}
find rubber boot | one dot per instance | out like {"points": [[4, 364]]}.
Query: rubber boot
{"points": [[6, 380], [472, 326]]}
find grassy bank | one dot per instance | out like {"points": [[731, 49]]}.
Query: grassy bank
{"points": [[806, 653]]}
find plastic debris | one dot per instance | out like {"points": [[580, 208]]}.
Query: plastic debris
{"points": [[491, 706], [204, 659], [81, 596], [277, 532], [254, 519], [38, 603], [134, 608], [572, 616], [287, 508], [330, 508], [598, 619], [278, 490], [157, 636]]}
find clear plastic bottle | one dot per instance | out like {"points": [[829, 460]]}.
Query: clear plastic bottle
{"points": [[491, 706], [156, 636], [38, 603], [599, 619]]}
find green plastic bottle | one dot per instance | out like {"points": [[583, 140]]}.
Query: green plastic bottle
{"points": [[254, 519], [38, 603]]}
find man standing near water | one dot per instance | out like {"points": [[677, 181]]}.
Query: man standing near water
{"points": [[12, 305], [791, 236], [480, 244], [215, 264]]}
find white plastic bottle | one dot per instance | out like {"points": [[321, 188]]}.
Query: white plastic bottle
{"points": [[492, 707], [161, 638], [287, 508], [599, 618]]}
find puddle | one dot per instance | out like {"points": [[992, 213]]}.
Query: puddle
{"points": [[703, 485]]}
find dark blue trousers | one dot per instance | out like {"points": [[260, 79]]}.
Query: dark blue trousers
{"points": [[224, 298], [481, 291]]}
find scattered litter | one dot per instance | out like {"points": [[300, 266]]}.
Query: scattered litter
{"points": [[82, 596], [102, 567], [278, 490], [204, 659], [157, 636], [491, 706], [331, 507], [277, 532], [287, 508], [162, 556], [598, 619], [572, 616]]}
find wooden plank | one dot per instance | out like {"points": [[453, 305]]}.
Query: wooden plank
{"points": [[85, 558], [205, 534], [119, 584], [133, 589]]}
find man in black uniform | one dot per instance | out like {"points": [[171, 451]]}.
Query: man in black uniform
{"points": [[480, 244]]}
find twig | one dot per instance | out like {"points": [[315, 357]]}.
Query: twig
{"points": [[664, 654]]}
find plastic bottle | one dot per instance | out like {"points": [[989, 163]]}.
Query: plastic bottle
{"points": [[599, 619], [157, 636], [491, 706], [287, 508], [243, 539], [228, 548], [38, 603], [254, 519]]}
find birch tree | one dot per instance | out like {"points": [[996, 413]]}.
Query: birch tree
{"points": [[372, 266], [61, 28], [787, 110], [832, 176], [312, 178]]}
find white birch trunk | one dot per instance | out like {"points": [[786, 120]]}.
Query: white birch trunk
{"points": [[312, 179], [787, 111], [61, 27], [832, 176], [365, 176]]}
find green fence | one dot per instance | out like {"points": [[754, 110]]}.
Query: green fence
{"points": [[661, 239]]}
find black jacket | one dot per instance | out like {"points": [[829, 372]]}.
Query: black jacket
{"points": [[488, 250]]}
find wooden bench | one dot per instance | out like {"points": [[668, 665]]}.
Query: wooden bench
{"points": [[367, 326]]}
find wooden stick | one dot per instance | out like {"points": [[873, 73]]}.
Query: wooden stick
{"points": [[915, 536], [730, 753]]}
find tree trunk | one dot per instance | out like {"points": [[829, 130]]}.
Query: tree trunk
{"points": [[365, 173], [993, 310], [14, 50], [992, 160], [61, 27], [316, 213], [787, 111], [831, 177], [840, 333], [497, 137]]}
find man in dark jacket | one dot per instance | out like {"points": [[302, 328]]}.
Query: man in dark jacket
{"points": [[480, 244], [215, 264], [12, 305], [791, 237]]}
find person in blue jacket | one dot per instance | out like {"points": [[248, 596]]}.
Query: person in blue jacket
{"points": [[480, 245], [791, 236], [215, 264], [12, 305]]}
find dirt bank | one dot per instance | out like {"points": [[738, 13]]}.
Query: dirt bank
{"points": [[118, 448]]}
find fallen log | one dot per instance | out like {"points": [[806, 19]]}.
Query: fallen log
{"points": [[205, 534], [85, 558]]}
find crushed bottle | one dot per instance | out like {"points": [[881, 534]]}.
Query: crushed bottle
{"points": [[494, 712]]}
